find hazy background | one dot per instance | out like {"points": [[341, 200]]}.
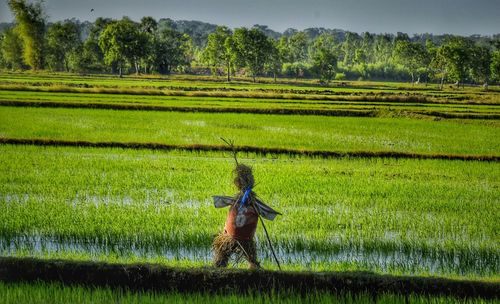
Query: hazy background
{"points": [[463, 17]]}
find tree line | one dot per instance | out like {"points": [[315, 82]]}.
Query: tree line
{"points": [[145, 47]]}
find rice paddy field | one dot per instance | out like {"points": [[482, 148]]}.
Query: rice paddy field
{"points": [[40, 293], [408, 215]]}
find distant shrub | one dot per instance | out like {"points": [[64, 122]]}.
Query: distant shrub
{"points": [[340, 76], [296, 70]]}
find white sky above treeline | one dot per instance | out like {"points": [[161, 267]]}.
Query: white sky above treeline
{"points": [[460, 17]]}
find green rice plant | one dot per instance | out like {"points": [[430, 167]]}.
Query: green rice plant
{"points": [[133, 85], [475, 137], [341, 211], [225, 104], [56, 293]]}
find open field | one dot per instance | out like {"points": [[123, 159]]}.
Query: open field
{"points": [[241, 83], [401, 215], [363, 106], [206, 95], [475, 137], [358, 212]]}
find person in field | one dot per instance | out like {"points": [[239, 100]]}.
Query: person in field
{"points": [[241, 222]]}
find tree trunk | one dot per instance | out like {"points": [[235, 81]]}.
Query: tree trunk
{"points": [[228, 72], [120, 71], [274, 75], [136, 67], [442, 82], [412, 79]]}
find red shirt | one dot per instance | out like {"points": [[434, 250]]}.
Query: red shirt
{"points": [[242, 223]]}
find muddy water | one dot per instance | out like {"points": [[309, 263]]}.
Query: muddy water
{"points": [[409, 263]]}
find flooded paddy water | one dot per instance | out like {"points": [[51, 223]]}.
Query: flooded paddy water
{"points": [[410, 262]]}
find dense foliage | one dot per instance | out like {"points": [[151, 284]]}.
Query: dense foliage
{"points": [[166, 46]]}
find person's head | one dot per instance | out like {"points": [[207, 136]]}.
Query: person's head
{"points": [[243, 177]]}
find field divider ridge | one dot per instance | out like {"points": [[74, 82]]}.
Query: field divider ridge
{"points": [[164, 279], [245, 149], [242, 110], [259, 93]]}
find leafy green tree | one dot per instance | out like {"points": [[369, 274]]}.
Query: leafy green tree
{"points": [[298, 47], [232, 54], [172, 51], [360, 56], [411, 55], [431, 49], [366, 48], [149, 27], [296, 69], [293, 53], [349, 46], [12, 50], [252, 49], [63, 44], [495, 65], [324, 58], [401, 37], [275, 60], [3, 64], [454, 59], [122, 42], [284, 49], [439, 64], [383, 48], [217, 53], [480, 57], [92, 57], [30, 25]]}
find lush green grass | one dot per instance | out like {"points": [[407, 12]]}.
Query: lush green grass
{"points": [[182, 81], [201, 82], [241, 103], [147, 204], [55, 293], [418, 217], [283, 131]]}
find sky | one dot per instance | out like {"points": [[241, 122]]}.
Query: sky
{"points": [[459, 17]]}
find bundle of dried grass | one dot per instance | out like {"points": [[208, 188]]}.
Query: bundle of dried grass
{"points": [[224, 246], [222, 243], [243, 177]]}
